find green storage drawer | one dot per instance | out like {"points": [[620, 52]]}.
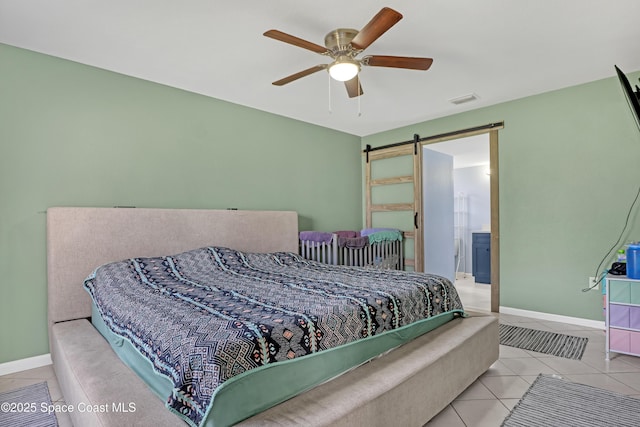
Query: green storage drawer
{"points": [[635, 292], [619, 291]]}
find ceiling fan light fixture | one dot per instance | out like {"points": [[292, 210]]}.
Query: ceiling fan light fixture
{"points": [[344, 68]]}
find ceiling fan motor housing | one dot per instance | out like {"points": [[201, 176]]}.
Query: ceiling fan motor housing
{"points": [[338, 41]]}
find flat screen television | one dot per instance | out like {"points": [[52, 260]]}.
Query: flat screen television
{"points": [[633, 97]]}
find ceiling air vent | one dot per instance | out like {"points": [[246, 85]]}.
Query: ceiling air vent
{"points": [[464, 99]]}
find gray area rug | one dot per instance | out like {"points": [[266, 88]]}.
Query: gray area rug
{"points": [[554, 402], [27, 407], [553, 343]]}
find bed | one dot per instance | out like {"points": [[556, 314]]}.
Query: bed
{"points": [[406, 386]]}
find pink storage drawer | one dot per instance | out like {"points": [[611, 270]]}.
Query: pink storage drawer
{"points": [[619, 340], [634, 342]]}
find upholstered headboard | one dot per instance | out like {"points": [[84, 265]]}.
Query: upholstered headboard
{"points": [[81, 239]]}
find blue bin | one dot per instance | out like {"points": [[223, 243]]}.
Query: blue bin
{"points": [[633, 262]]}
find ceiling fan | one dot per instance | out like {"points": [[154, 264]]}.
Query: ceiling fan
{"points": [[344, 45]]}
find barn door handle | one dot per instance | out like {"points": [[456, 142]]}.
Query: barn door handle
{"points": [[415, 220]]}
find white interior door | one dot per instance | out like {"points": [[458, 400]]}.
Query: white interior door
{"points": [[438, 214]]}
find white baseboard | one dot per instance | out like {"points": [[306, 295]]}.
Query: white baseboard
{"points": [[25, 364], [597, 324]]}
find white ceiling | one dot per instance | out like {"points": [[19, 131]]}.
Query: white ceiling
{"points": [[497, 49], [466, 152]]}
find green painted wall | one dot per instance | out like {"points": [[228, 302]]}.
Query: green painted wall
{"points": [[72, 135], [569, 171]]}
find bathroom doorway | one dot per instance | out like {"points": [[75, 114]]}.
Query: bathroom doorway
{"points": [[461, 216]]}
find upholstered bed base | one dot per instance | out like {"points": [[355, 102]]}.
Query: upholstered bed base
{"points": [[406, 387]]}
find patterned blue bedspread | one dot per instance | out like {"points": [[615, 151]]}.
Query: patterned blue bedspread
{"points": [[206, 315]]}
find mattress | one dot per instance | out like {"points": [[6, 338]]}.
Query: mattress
{"points": [[290, 324]]}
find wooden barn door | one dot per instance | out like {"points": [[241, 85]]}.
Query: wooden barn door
{"points": [[392, 196]]}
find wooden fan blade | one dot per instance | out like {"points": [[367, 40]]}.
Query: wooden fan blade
{"points": [[299, 75], [378, 25], [287, 38], [353, 87], [398, 62]]}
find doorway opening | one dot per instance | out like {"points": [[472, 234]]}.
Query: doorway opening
{"points": [[460, 221]]}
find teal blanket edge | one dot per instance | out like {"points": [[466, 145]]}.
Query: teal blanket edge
{"points": [[256, 390]]}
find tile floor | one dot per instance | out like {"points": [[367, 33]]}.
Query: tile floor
{"points": [[490, 398], [475, 296], [34, 376]]}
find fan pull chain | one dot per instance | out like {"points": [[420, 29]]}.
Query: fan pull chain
{"points": [[359, 95], [329, 77]]}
